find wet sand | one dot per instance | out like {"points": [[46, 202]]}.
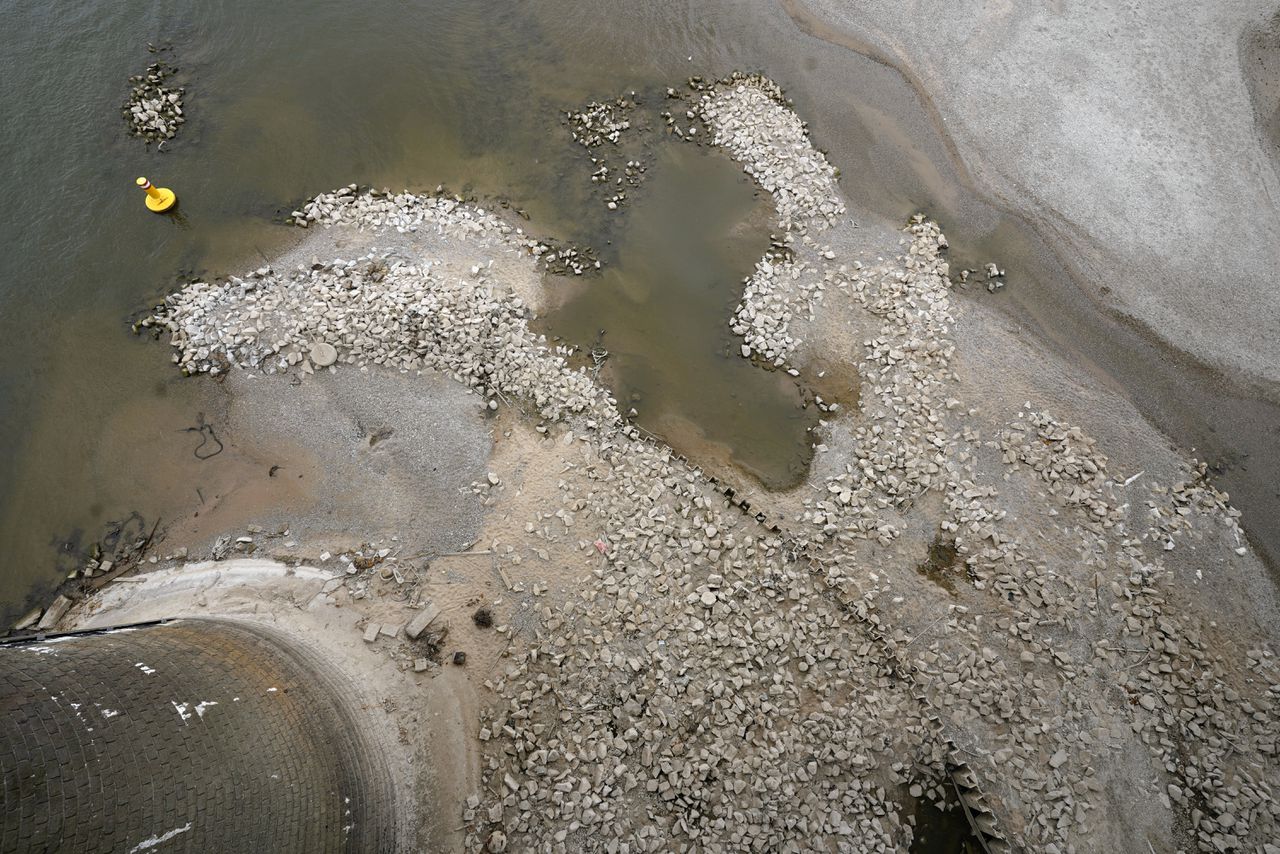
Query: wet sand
{"points": [[1260, 64], [1057, 295]]}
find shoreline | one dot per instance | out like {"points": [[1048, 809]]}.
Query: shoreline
{"points": [[641, 603]]}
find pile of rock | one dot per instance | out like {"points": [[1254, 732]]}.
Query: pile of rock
{"points": [[778, 290], [594, 125], [154, 110], [750, 119], [377, 310], [1172, 511], [901, 442], [410, 212], [564, 259], [598, 122]]}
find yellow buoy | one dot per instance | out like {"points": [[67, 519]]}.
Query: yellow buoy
{"points": [[159, 199]]}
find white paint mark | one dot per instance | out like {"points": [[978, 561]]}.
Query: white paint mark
{"points": [[204, 704], [41, 650], [144, 668], [272, 690], [153, 841], [181, 709], [109, 713]]}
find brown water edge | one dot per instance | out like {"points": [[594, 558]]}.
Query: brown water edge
{"points": [[683, 250], [1216, 418], [157, 452]]}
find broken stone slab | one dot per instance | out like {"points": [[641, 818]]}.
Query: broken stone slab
{"points": [[27, 621], [421, 620], [57, 609], [371, 632]]}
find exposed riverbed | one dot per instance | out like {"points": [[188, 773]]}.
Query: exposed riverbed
{"points": [[282, 104], [947, 602]]}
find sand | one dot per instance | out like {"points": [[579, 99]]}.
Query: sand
{"points": [[1126, 134]]}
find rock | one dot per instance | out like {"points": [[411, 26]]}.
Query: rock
{"points": [[371, 632], [421, 620], [56, 611], [28, 620], [323, 354]]}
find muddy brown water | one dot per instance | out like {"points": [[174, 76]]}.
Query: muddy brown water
{"points": [[692, 234], [286, 101]]}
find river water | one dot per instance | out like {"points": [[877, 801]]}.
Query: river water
{"points": [[288, 99]]}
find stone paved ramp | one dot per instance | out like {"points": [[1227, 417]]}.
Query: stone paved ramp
{"points": [[195, 735]]}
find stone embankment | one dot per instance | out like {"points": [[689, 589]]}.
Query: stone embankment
{"points": [[955, 596], [748, 117]]}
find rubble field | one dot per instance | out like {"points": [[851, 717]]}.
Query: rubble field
{"points": [[999, 591]]}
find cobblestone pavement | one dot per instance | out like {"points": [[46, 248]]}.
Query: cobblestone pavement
{"points": [[195, 735]]}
